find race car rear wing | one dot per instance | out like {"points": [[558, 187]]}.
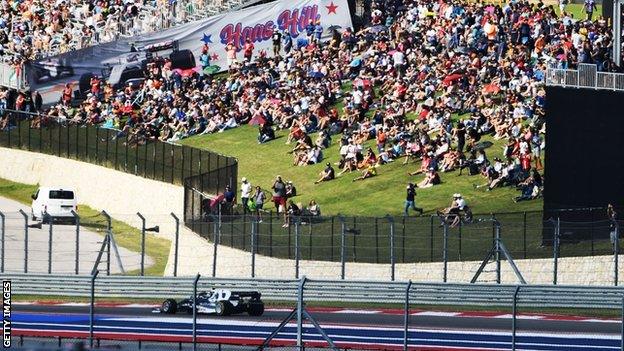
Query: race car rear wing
{"points": [[254, 295]]}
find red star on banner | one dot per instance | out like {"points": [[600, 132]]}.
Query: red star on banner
{"points": [[331, 8], [214, 57]]}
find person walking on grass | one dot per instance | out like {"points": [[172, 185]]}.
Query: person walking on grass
{"points": [[245, 193], [410, 200]]}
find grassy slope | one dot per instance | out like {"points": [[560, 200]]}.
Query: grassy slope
{"points": [[125, 235], [376, 196]]}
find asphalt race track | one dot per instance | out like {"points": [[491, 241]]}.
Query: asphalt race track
{"points": [[348, 328]]}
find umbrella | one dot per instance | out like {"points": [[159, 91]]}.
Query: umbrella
{"points": [[212, 69], [257, 120], [491, 89], [482, 145], [378, 29]]}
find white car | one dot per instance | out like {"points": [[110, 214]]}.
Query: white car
{"points": [[58, 203]]}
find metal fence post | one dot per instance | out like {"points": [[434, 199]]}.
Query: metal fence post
{"points": [[77, 258], [445, 251], [142, 243], [622, 326], [25, 240], [253, 248], [50, 233], [108, 241], [392, 258], [431, 238], [195, 311], [513, 318], [497, 232], [616, 252], [406, 316], [556, 250], [2, 229], [342, 246], [524, 234], [215, 241], [302, 282], [92, 307], [177, 242], [297, 246]]}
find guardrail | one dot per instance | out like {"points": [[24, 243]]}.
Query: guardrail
{"points": [[342, 291], [586, 76]]}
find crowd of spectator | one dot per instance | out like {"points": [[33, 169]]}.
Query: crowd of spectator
{"points": [[32, 29], [426, 80]]}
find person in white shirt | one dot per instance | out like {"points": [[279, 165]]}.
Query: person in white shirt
{"points": [[399, 61], [245, 193]]}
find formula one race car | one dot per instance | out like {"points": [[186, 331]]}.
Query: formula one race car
{"points": [[219, 301]]}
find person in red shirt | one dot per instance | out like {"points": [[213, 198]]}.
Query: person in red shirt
{"points": [[95, 85], [525, 162], [19, 102], [248, 49], [67, 95]]}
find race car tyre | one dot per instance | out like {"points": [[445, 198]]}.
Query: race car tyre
{"points": [[255, 309], [169, 306], [223, 308]]}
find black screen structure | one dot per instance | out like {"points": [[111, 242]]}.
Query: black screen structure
{"points": [[584, 159]]}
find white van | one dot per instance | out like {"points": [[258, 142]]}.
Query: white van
{"points": [[56, 202]]}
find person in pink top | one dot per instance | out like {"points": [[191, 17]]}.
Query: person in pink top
{"points": [[230, 50]]}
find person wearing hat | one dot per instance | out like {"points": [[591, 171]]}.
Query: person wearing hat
{"points": [[410, 200], [327, 174], [245, 193], [457, 205]]}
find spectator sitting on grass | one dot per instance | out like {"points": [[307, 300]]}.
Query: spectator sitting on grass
{"points": [[265, 133], [369, 172], [432, 178], [293, 212], [291, 190], [327, 174], [531, 187]]}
